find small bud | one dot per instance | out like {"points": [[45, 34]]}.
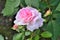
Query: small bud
{"points": [[15, 27], [48, 12]]}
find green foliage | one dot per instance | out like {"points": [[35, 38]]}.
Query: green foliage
{"points": [[12, 3], [53, 2], [10, 7], [28, 2], [58, 7], [37, 32], [54, 25], [19, 36], [27, 33], [34, 3], [53, 21], [37, 37], [8, 11], [46, 34], [1, 37]]}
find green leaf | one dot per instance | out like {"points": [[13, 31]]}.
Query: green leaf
{"points": [[28, 2], [53, 2], [16, 3], [43, 5], [19, 36], [8, 11], [36, 34], [1, 37], [34, 3], [12, 3], [27, 33], [37, 37], [15, 10], [46, 34], [22, 3], [10, 7], [37, 31], [58, 7]]}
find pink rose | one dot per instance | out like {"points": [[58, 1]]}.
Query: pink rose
{"points": [[29, 16]]}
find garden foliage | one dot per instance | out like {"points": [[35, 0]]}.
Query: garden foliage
{"points": [[49, 8]]}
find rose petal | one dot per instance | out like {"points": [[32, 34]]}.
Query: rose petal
{"points": [[38, 22], [20, 22]]}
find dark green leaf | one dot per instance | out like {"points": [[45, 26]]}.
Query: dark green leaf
{"points": [[22, 3], [37, 31], [58, 7], [43, 5], [53, 2]]}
